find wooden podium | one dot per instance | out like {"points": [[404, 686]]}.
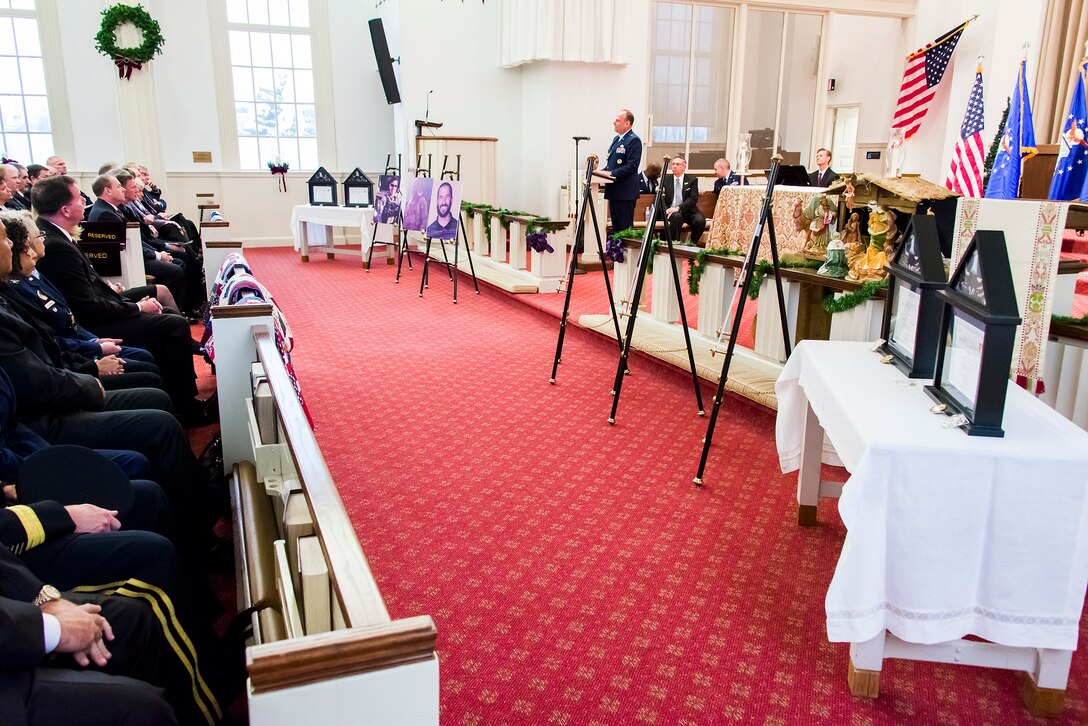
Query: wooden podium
{"points": [[477, 162]]}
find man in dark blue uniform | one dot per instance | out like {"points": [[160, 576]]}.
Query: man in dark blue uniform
{"points": [[624, 157]]}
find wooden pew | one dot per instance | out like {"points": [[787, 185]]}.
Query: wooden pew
{"points": [[325, 647], [706, 203]]}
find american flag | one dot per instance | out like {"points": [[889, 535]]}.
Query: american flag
{"points": [[969, 157], [925, 69]]}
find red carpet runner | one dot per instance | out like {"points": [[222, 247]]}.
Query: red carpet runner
{"points": [[575, 574]]}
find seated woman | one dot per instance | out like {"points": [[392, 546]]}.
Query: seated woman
{"points": [[27, 247]]}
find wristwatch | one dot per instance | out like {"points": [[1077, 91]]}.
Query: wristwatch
{"points": [[48, 594]]}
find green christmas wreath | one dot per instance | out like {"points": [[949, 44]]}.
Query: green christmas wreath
{"points": [[128, 59]]}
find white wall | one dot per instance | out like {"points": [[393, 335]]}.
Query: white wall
{"points": [[864, 49], [999, 34], [533, 109]]}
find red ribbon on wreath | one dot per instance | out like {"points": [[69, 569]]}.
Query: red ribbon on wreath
{"points": [[280, 169], [126, 66]]}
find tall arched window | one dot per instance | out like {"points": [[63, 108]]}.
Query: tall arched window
{"points": [[273, 82], [26, 133]]}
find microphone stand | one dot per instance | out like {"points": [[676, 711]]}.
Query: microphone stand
{"points": [[577, 160]]}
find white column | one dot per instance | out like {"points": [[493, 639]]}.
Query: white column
{"points": [[517, 244], [476, 233], [861, 322], [139, 110], [498, 239], [769, 341], [622, 275], [550, 267], [715, 294], [663, 303]]}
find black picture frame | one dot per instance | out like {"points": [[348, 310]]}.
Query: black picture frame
{"points": [[911, 326], [978, 332], [358, 189], [322, 189]]}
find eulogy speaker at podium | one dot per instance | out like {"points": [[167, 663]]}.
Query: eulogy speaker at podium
{"points": [[624, 157]]}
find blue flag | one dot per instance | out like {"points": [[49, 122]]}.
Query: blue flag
{"points": [[1070, 171], [1017, 143]]}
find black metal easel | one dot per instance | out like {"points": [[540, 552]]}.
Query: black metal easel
{"points": [[579, 239], [766, 219], [645, 253], [453, 176], [401, 244]]}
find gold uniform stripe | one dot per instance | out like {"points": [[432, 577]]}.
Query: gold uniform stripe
{"points": [[163, 609], [35, 532]]}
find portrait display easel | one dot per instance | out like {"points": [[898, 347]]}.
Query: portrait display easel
{"points": [[645, 253], [579, 239], [401, 244], [740, 295], [452, 175]]}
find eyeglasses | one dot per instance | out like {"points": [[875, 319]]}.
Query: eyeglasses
{"points": [[41, 235]]}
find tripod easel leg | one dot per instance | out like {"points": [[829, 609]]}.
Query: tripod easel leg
{"points": [[766, 220], [468, 254], [426, 265], [684, 322], [373, 236], [604, 265]]}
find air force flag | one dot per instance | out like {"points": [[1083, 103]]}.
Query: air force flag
{"points": [[1017, 143], [1072, 168]]}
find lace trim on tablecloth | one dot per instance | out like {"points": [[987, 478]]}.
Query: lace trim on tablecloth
{"points": [[932, 616]]}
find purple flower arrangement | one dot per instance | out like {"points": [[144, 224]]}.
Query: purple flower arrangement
{"points": [[539, 242]]}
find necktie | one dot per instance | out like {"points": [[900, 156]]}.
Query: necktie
{"points": [[677, 190]]}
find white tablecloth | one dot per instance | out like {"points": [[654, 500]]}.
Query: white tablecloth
{"points": [[361, 218], [947, 534]]}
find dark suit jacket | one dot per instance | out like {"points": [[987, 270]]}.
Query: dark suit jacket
{"points": [[102, 211], [624, 157], [90, 298], [690, 191], [822, 180], [43, 386], [647, 185]]}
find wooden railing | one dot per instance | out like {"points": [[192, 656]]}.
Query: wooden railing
{"points": [[500, 246], [306, 665]]}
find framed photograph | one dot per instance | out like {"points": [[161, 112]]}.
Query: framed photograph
{"points": [[358, 189], [388, 200], [978, 330], [322, 188], [912, 313], [445, 210], [418, 206]]}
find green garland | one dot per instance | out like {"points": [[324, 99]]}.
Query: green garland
{"points": [[699, 264], [765, 266], [1066, 320], [849, 300], [991, 155], [128, 59], [639, 234]]}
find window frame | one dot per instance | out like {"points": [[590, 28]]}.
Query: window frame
{"points": [[736, 70], [56, 93], [219, 33]]}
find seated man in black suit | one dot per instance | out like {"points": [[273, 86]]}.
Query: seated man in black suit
{"points": [[823, 176], [648, 179], [60, 168], [680, 198], [100, 308], [109, 207], [114, 658]]}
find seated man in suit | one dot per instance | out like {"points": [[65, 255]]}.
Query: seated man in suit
{"points": [[647, 180], [114, 659], [9, 179], [680, 198], [100, 308], [60, 168], [109, 207], [726, 177], [823, 176]]}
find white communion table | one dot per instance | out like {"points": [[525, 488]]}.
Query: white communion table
{"points": [[948, 535], [306, 216]]}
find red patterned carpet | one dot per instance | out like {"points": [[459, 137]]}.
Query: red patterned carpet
{"points": [[575, 574]]}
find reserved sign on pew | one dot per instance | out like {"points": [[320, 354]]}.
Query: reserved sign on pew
{"points": [[102, 243]]}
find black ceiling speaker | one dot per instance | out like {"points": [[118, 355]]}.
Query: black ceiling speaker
{"points": [[385, 61]]}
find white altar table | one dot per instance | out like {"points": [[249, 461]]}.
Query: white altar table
{"points": [[947, 534], [305, 217]]}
